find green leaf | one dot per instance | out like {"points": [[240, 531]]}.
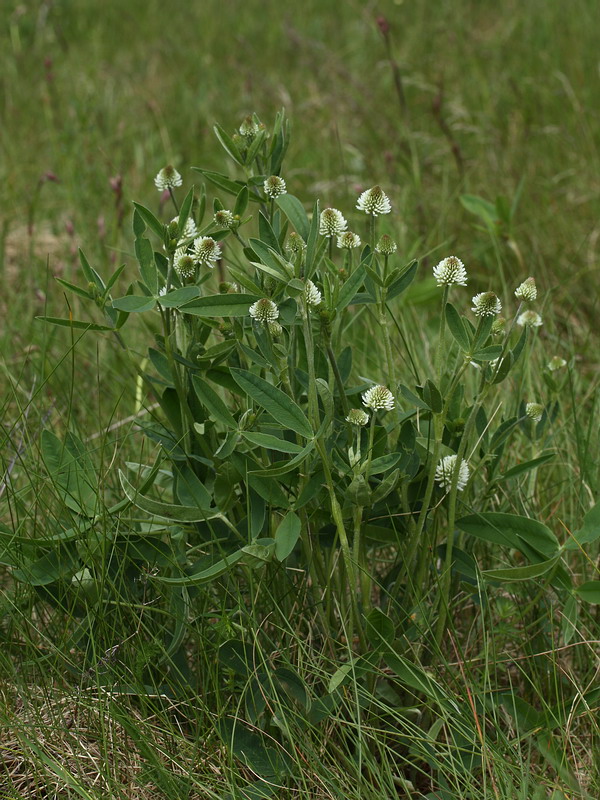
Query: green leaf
{"points": [[490, 353], [220, 305], [228, 144], [241, 202], [91, 275], [272, 442], [403, 282], [252, 750], [185, 210], [75, 323], [215, 405], [207, 573], [179, 297], [257, 143], [71, 469], [151, 221], [590, 531], [511, 530], [380, 628], [268, 256], [482, 332], [483, 209], [457, 328], [170, 511], [294, 211], [526, 466], [134, 304], [224, 183], [281, 407], [267, 234], [62, 562], [570, 615], [75, 289], [286, 535], [590, 592], [413, 398], [432, 397], [350, 287], [525, 573], [145, 256], [277, 470], [416, 678]]}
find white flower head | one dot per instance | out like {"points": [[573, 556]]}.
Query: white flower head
{"points": [[386, 245], [167, 178], [529, 319], [206, 251], [184, 264], [556, 362], [189, 230], [534, 411], [374, 201], [356, 416], [274, 186], [312, 295], [445, 471], [224, 218], [378, 397], [527, 290], [264, 310], [348, 240], [486, 304], [450, 271], [332, 222]]}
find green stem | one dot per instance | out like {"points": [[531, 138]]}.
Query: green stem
{"points": [[446, 582], [336, 513]]}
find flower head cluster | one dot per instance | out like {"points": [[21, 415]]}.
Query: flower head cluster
{"points": [[534, 411], [450, 271], [332, 222], [275, 328], [189, 229], [556, 362], [374, 201], [224, 218], [486, 304], [274, 186], [167, 178], [498, 326], [295, 244], [348, 240], [312, 295], [386, 245], [249, 127], [356, 416], [264, 310], [206, 251], [527, 290], [184, 264], [378, 397], [445, 471], [529, 319]]}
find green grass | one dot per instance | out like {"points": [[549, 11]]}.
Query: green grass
{"points": [[498, 100]]}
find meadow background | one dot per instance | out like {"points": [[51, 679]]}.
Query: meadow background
{"points": [[456, 98]]}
